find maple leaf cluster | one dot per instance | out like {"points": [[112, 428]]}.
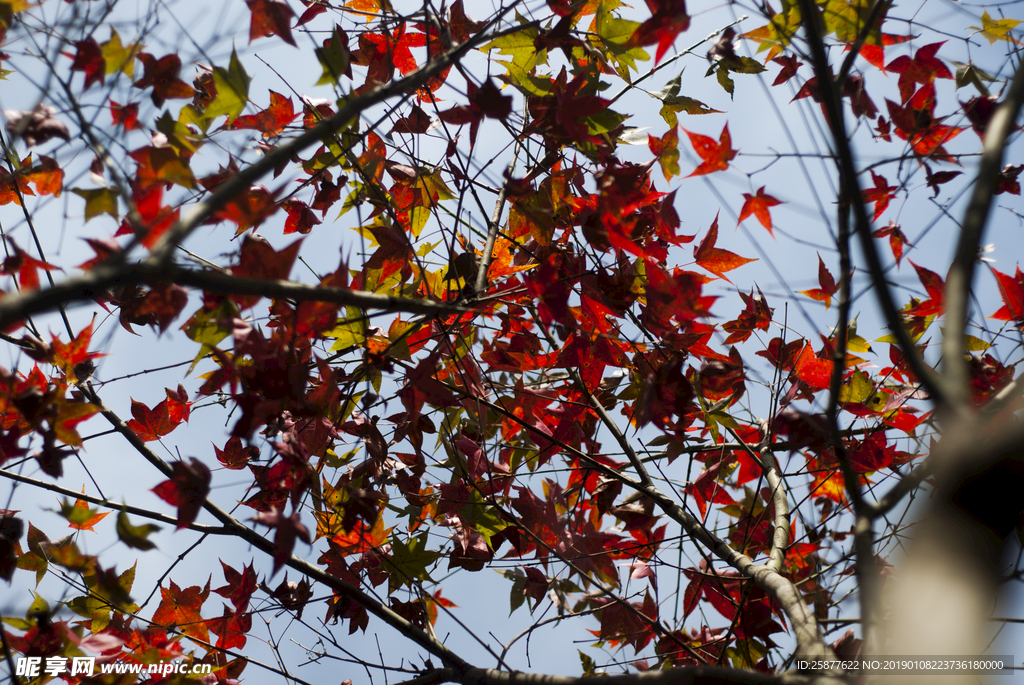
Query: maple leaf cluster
{"points": [[563, 392]]}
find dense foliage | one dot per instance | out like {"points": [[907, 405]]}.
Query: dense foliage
{"points": [[543, 349]]}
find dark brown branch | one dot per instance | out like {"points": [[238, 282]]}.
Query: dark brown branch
{"points": [[813, 25], [243, 532], [351, 108], [128, 509], [961, 273], [15, 307], [873, 15]]}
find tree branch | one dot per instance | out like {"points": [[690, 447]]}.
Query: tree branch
{"points": [[961, 273], [128, 509], [15, 307], [847, 169], [243, 532]]}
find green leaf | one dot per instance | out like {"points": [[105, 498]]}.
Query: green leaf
{"points": [[739, 65], [857, 389], [587, 663], [520, 47], [179, 136], [969, 74], [92, 608], [973, 344], [846, 18], [135, 536], [517, 595], [673, 102], [232, 90], [209, 326], [38, 607], [350, 331], [98, 201], [410, 560], [334, 60], [604, 121], [613, 35]]}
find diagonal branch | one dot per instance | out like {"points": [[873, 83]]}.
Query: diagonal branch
{"points": [[933, 384], [349, 109], [15, 307], [961, 273], [243, 532]]}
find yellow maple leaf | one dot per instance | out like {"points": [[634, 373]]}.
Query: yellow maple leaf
{"points": [[993, 30], [118, 57]]}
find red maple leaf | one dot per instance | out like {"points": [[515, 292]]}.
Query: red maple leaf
{"points": [[47, 177], [71, 357], [789, 66], [714, 259], [126, 116], [940, 177], [301, 219], [485, 101], [234, 456], [923, 68], [758, 205], [826, 285], [1011, 290], [707, 489], [270, 18], [916, 124], [461, 26], [181, 608], [756, 315], [313, 10], [880, 194], [668, 20], [936, 290], [89, 59], [896, 239], [162, 75], [104, 249], [25, 266], [231, 629], [271, 121], [875, 54], [153, 424], [1008, 180], [813, 371], [156, 164], [240, 588], [258, 259], [248, 209], [871, 454], [715, 155], [289, 528], [186, 489], [418, 121]]}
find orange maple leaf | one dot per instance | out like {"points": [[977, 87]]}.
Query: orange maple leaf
{"points": [[714, 259], [758, 206], [715, 156]]}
